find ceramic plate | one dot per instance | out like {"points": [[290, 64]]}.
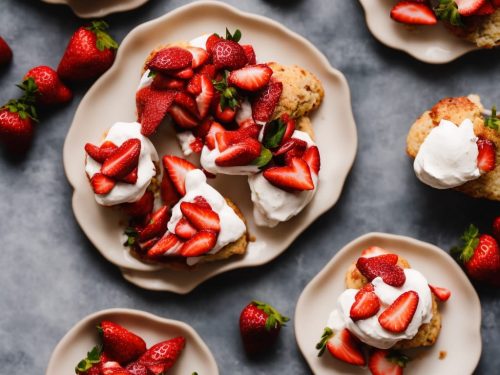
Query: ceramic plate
{"points": [[430, 44], [98, 8], [112, 99], [460, 335], [153, 329]]}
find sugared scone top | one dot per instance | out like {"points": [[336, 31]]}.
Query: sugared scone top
{"points": [[455, 145], [122, 167], [386, 305], [195, 223]]}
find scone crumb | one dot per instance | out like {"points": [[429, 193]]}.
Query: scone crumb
{"points": [[443, 354]]}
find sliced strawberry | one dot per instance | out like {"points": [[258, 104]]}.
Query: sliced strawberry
{"points": [[230, 137], [290, 127], [242, 153], [266, 101], [162, 82], [152, 107], [366, 303], [185, 74], [202, 130], [171, 58], [131, 178], [227, 54], [208, 70], [251, 77], [102, 184], [312, 158], [157, 225], [294, 177], [487, 154], [413, 13], [186, 101], [397, 317], [201, 243], [442, 294], [113, 368], [204, 99], [162, 356], [469, 7], [383, 266], [294, 145], [385, 362], [140, 208], [167, 245], [212, 41], [202, 202], [182, 117], [144, 246], [485, 10], [210, 137], [184, 229], [341, 345], [168, 191], [250, 54], [123, 161], [101, 153], [177, 169], [136, 368], [193, 87], [200, 217], [200, 56]]}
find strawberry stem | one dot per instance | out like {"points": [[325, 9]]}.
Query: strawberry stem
{"points": [[493, 122], [274, 319], [447, 10], [321, 345], [93, 357], [104, 40], [228, 95], [470, 240]]}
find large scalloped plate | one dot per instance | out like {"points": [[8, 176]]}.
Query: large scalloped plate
{"points": [[460, 335], [430, 44], [153, 329], [112, 98], [98, 8]]}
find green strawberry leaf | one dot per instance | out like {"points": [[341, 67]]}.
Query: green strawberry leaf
{"points": [[104, 40], [229, 96], [235, 37], [273, 133], [321, 345], [470, 240], [274, 319], [132, 236], [93, 357], [447, 10], [264, 158]]}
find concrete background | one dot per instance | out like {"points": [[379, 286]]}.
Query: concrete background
{"points": [[51, 276]]}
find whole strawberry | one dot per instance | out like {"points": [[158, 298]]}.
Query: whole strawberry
{"points": [[480, 256], [17, 118], [5, 52], [90, 52], [120, 344], [260, 325], [49, 90]]}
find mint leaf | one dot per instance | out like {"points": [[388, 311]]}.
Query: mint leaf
{"points": [[264, 158], [273, 133]]}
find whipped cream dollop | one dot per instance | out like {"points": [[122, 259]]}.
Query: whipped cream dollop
{"points": [[146, 170], [448, 156], [232, 227], [273, 205], [369, 330]]}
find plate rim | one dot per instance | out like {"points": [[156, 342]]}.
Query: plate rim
{"points": [[102, 12], [391, 237]]}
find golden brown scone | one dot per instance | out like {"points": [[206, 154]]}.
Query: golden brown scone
{"points": [[304, 124], [456, 110], [302, 91], [427, 333], [487, 32]]}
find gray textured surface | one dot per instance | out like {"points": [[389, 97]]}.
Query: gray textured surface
{"points": [[51, 276]]}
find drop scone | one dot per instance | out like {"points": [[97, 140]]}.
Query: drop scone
{"points": [[240, 115], [455, 145], [387, 307]]}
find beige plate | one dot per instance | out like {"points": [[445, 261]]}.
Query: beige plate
{"points": [[430, 44], [153, 329], [460, 335], [98, 8], [112, 98]]}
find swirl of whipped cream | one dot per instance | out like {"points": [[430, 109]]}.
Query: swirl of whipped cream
{"points": [[369, 330], [448, 156], [273, 205], [146, 170]]}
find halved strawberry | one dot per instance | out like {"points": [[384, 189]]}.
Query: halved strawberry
{"points": [[230, 137], [167, 245], [140, 208], [227, 54], [204, 99], [469, 7], [102, 184], [295, 146], [208, 70], [186, 101], [397, 317], [184, 229], [383, 266], [202, 202], [185, 74], [250, 53], [168, 191], [312, 158], [123, 161], [290, 127], [366, 303], [177, 169], [201, 243], [413, 13], [193, 87], [385, 362], [119, 343], [131, 178], [265, 102], [171, 58], [113, 368], [487, 154], [202, 130], [442, 294], [101, 153], [152, 107], [251, 77], [196, 145], [242, 153], [212, 41], [162, 356], [485, 10], [210, 137], [157, 225], [200, 217], [136, 368], [341, 345], [200, 56], [182, 117], [162, 82], [294, 177]]}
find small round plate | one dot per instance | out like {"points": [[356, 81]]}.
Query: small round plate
{"points": [[112, 99], [98, 8], [460, 336], [153, 329], [430, 44]]}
